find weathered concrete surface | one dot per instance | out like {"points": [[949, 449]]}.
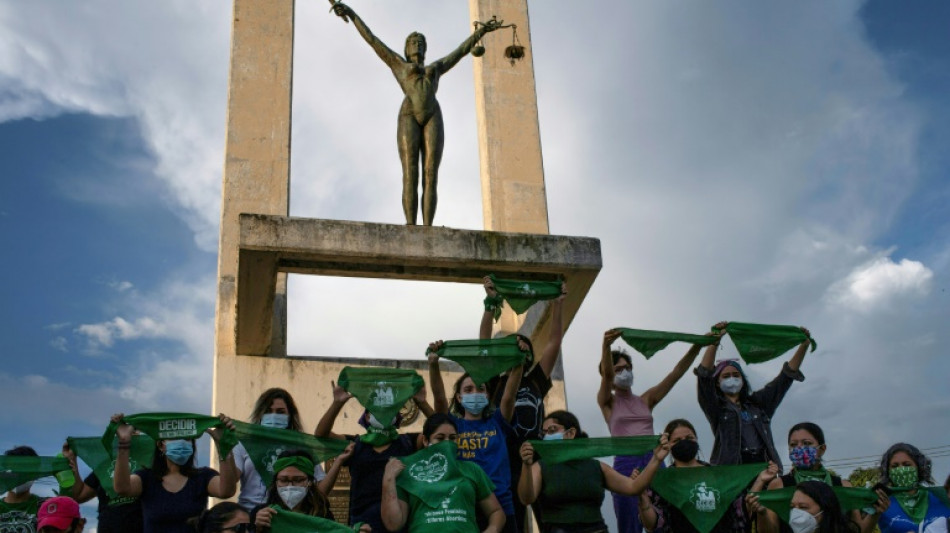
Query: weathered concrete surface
{"points": [[257, 160], [271, 244], [509, 135]]}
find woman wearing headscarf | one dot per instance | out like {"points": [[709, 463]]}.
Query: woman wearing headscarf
{"points": [[740, 418]]}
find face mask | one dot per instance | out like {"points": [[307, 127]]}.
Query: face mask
{"points": [[554, 436], [24, 488], [685, 450], [903, 476], [624, 380], [803, 457], [178, 451], [291, 495], [801, 521], [731, 385], [475, 403], [275, 420]]}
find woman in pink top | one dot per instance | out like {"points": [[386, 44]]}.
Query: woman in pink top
{"points": [[628, 414]]}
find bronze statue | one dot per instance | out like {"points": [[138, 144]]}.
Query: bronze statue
{"points": [[420, 133]]}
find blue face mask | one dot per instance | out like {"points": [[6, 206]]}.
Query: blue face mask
{"points": [[731, 385], [475, 402], [275, 420], [178, 451], [554, 436]]}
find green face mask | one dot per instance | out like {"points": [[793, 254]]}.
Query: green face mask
{"points": [[903, 476]]}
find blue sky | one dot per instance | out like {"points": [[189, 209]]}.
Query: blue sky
{"points": [[775, 163]]}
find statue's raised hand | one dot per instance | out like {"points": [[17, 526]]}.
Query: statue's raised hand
{"points": [[342, 10]]}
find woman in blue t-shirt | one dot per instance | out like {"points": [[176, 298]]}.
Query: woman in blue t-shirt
{"points": [[173, 490], [483, 430], [905, 503]]}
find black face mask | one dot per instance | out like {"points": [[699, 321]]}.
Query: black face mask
{"points": [[685, 450]]}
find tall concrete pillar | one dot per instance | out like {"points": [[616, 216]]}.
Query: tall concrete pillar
{"points": [[256, 167]]}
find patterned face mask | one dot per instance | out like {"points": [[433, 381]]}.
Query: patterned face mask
{"points": [[803, 457], [903, 476]]}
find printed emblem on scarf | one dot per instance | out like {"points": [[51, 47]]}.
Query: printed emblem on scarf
{"points": [[383, 396], [133, 466], [270, 457], [704, 498], [527, 290], [430, 470], [179, 427]]}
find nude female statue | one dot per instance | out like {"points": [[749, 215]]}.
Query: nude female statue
{"points": [[420, 133]]}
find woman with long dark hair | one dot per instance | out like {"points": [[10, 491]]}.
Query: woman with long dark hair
{"points": [[274, 408], [173, 490], [225, 517], [569, 494]]}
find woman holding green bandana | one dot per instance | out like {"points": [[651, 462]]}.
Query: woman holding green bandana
{"points": [[569, 494], [456, 513], [295, 489], [370, 454], [173, 490], [630, 415], [484, 431], [274, 408], [905, 504]]}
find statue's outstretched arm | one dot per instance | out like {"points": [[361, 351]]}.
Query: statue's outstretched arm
{"points": [[384, 52], [456, 55]]}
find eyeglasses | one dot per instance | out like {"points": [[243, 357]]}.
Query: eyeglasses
{"points": [[553, 428], [301, 481], [241, 528]]}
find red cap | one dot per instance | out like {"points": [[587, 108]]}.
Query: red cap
{"points": [[58, 512]]}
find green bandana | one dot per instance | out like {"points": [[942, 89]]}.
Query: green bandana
{"points": [[903, 476], [558, 451], [17, 469], [851, 498], [379, 436], [521, 295], [431, 473], [914, 505], [284, 521], [704, 493], [165, 426], [302, 463], [812, 475], [758, 343], [101, 461], [382, 391], [264, 444], [648, 342], [484, 359]]}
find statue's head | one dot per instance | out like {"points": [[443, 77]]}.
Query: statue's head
{"points": [[415, 44]]}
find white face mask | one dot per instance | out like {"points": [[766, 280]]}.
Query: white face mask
{"points": [[291, 495], [801, 521], [275, 420], [24, 488], [624, 379], [731, 385]]}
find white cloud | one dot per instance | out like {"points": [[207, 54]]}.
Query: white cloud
{"points": [[106, 333], [877, 283]]}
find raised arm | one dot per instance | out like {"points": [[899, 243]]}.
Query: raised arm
{"points": [[529, 485], [605, 399], [79, 491], [326, 484], [393, 511], [655, 394], [449, 61], [637, 483], [123, 481], [553, 348], [325, 425], [488, 317], [440, 403], [392, 59], [224, 485], [507, 404], [796, 361], [422, 403]]}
